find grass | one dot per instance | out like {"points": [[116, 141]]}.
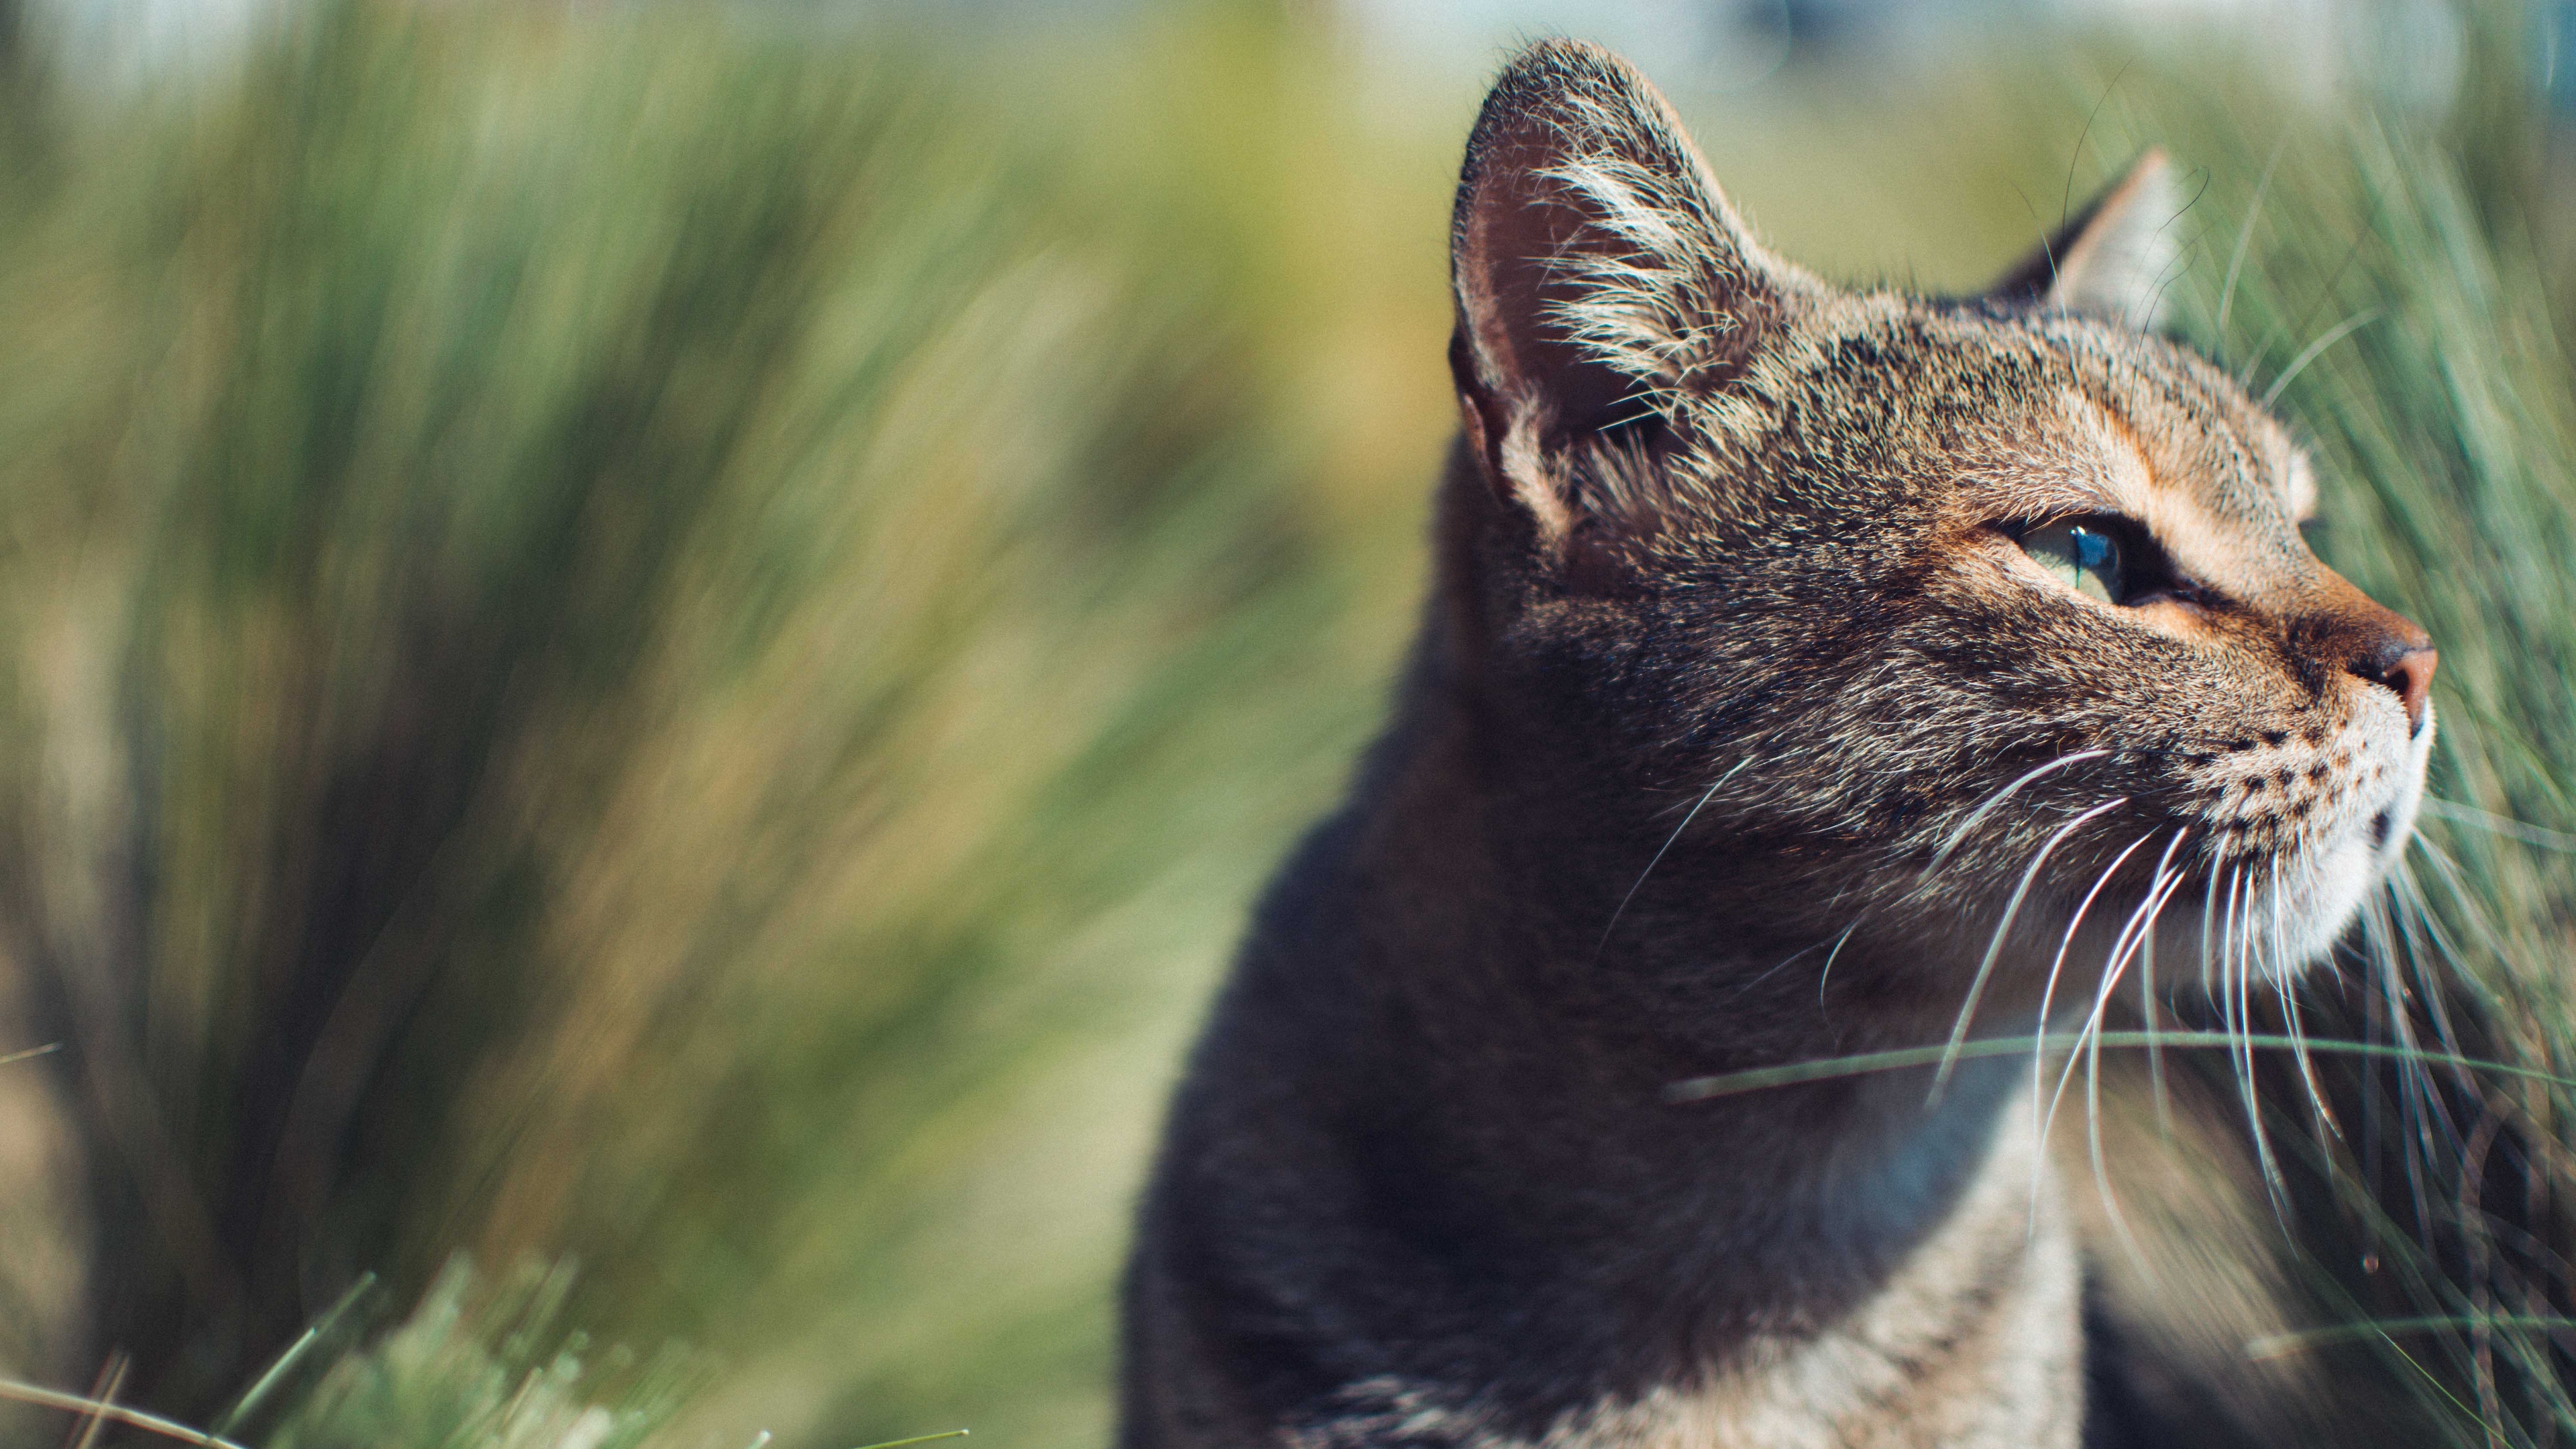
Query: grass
{"points": [[2404, 319], [601, 597], [672, 644]]}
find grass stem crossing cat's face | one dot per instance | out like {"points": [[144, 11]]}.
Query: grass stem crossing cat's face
{"points": [[1992, 609]]}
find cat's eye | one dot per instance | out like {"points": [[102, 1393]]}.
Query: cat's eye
{"points": [[2086, 557]]}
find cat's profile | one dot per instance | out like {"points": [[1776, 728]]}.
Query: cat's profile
{"points": [[1808, 672]]}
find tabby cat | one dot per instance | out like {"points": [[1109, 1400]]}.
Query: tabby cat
{"points": [[1808, 672]]}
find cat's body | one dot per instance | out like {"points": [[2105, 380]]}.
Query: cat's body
{"points": [[1340, 1244], [1751, 726]]}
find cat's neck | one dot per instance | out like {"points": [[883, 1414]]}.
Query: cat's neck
{"points": [[1427, 1172], [1534, 1040]]}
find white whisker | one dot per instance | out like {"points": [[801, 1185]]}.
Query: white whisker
{"points": [[2236, 968], [1998, 798], [1827, 973], [2048, 992], [2150, 1003], [2423, 938], [2319, 1112], [2123, 948], [2472, 914], [2003, 929], [2415, 1098], [2494, 824], [1693, 814], [2208, 924]]}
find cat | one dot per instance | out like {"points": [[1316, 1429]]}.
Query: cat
{"points": [[1807, 672]]}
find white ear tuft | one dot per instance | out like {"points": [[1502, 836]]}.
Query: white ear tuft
{"points": [[1599, 273]]}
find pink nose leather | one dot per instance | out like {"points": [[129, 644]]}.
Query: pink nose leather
{"points": [[2410, 674]]}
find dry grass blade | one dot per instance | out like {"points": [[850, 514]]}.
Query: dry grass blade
{"points": [[102, 1409]]}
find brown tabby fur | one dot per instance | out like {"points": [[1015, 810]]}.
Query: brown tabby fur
{"points": [[1738, 723]]}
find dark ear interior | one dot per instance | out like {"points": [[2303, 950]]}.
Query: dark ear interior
{"points": [[1518, 279], [2115, 259], [1599, 277]]}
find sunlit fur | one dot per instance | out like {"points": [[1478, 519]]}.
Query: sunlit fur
{"points": [[1742, 732]]}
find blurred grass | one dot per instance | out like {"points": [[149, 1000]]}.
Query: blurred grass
{"points": [[483, 1367], [646, 639], [674, 640]]}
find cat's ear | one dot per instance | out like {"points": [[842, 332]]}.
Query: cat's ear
{"points": [[1599, 277], [2116, 258]]}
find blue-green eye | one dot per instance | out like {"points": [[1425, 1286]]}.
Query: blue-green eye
{"points": [[2085, 557]]}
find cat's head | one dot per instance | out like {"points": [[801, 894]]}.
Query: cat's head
{"points": [[1923, 607]]}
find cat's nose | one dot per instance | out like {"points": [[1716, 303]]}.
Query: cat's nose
{"points": [[2405, 667], [2349, 630]]}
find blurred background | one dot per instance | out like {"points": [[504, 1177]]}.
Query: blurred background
{"points": [[660, 644]]}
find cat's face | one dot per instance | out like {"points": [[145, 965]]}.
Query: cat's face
{"points": [[1932, 608]]}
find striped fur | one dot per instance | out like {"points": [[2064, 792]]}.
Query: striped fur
{"points": [[1745, 731]]}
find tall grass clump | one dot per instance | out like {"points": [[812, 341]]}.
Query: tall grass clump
{"points": [[490, 1367], [641, 639]]}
